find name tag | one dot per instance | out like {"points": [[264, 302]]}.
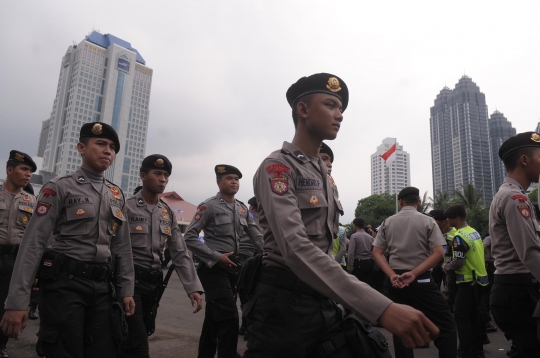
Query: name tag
{"points": [[308, 183]]}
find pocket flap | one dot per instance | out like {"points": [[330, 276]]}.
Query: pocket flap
{"points": [[117, 213], [243, 221], [80, 212], [311, 200], [223, 219], [2, 206], [26, 209]]}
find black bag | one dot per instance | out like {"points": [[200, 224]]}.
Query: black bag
{"points": [[249, 276]]}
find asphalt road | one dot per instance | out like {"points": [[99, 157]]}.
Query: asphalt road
{"points": [[178, 329]]}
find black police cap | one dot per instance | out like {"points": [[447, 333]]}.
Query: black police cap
{"points": [[437, 214], [253, 201], [223, 169], [456, 210], [409, 191], [157, 161], [100, 130], [16, 158], [326, 149], [319, 83], [520, 140]]}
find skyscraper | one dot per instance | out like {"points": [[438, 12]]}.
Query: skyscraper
{"points": [[103, 78], [390, 179], [460, 144], [500, 129]]}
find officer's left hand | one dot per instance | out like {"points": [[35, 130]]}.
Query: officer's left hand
{"points": [[129, 306], [196, 300], [406, 279]]}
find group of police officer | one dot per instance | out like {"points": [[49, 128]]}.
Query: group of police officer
{"points": [[81, 233]]}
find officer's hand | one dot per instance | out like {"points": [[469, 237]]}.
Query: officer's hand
{"points": [[196, 300], [129, 306], [224, 261], [13, 322], [411, 326], [394, 279], [406, 278]]}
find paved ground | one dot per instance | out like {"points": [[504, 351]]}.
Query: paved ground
{"points": [[177, 332]]}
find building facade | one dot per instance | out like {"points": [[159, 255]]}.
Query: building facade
{"points": [[103, 78], [390, 178], [500, 129], [460, 141]]}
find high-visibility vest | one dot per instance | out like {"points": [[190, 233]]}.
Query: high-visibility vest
{"points": [[474, 258]]}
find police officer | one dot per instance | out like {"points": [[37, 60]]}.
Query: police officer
{"points": [[360, 247], [86, 215], [16, 208], [415, 245], [224, 221], [291, 313], [515, 245], [151, 223], [471, 280]]}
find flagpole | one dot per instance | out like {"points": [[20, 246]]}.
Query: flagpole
{"points": [[395, 181]]}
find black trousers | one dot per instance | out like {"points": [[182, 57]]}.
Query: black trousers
{"points": [[220, 326], [137, 342], [363, 270], [6, 269], [469, 321], [75, 318], [427, 298], [438, 274], [512, 307]]}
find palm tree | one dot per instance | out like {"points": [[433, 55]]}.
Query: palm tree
{"points": [[469, 197], [425, 205], [441, 200]]}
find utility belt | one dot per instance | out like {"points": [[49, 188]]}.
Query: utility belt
{"points": [[9, 249], [358, 263], [521, 279], [287, 280], [53, 262], [144, 274]]}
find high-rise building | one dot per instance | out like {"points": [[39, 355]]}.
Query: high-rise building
{"points": [[460, 144], [42, 145], [103, 78], [500, 129], [394, 177]]}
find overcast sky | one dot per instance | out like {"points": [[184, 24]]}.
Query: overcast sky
{"points": [[221, 70]]}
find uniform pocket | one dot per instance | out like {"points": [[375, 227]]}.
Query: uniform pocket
{"points": [[310, 204], [222, 224], [138, 233], [78, 220], [24, 215]]}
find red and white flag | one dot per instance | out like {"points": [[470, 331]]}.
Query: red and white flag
{"points": [[390, 155]]}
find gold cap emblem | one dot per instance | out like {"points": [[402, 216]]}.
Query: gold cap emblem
{"points": [[333, 84], [80, 212], [221, 169], [97, 129], [159, 163], [138, 228], [535, 137], [19, 157]]}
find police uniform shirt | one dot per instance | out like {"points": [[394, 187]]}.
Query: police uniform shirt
{"points": [[86, 225], [299, 215], [223, 227], [15, 213], [247, 246], [149, 227], [514, 231], [409, 237], [360, 247]]}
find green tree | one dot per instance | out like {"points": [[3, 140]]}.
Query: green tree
{"points": [[469, 197], [441, 200], [478, 219], [376, 208], [425, 205], [533, 196]]}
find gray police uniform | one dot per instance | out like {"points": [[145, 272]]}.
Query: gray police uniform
{"points": [[360, 258], [15, 212], [223, 227], [149, 227], [248, 247], [88, 228]]}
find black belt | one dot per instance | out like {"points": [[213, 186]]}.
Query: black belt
{"points": [[9, 249], [516, 279], [287, 280], [423, 276], [91, 271], [147, 275]]}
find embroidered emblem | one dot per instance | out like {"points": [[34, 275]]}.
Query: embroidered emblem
{"points": [[97, 129], [27, 209], [242, 211], [48, 192], [119, 213], [81, 179], [80, 212], [167, 230], [165, 217], [198, 216], [279, 185], [221, 169], [115, 192], [26, 198], [140, 201], [333, 84], [521, 198], [19, 157], [25, 219], [202, 208], [535, 137], [42, 208], [278, 169], [524, 211], [159, 163], [314, 200], [138, 228], [164, 211], [114, 225]]}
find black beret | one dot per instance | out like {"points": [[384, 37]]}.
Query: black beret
{"points": [[319, 83], [157, 161], [29, 188], [223, 169], [137, 189], [16, 157], [326, 149], [455, 211], [437, 214], [253, 201], [409, 191], [520, 140], [359, 222], [100, 130]]}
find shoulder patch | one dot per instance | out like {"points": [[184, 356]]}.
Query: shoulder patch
{"points": [[521, 198], [42, 208], [278, 169], [279, 185], [524, 211], [48, 192]]}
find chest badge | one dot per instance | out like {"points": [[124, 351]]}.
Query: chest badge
{"points": [[167, 230], [115, 192], [165, 217], [164, 211], [27, 209], [314, 200], [279, 185], [524, 211], [26, 198], [80, 212], [114, 225], [138, 228], [242, 211], [119, 213], [25, 219]]}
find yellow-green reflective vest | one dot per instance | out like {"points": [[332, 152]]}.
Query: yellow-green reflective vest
{"points": [[474, 259]]}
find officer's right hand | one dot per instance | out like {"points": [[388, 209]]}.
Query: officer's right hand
{"points": [[224, 261], [13, 322], [410, 325]]}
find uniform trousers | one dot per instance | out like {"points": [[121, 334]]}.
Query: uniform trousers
{"points": [[7, 262], [136, 345], [426, 297], [220, 326], [75, 318], [469, 321], [363, 270], [512, 307]]}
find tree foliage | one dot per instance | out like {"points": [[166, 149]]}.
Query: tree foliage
{"points": [[441, 200], [533, 196], [425, 205], [376, 208], [469, 197]]}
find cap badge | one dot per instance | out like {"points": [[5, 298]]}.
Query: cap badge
{"points": [[333, 84], [19, 157], [159, 163], [221, 169], [80, 212], [535, 137], [314, 200], [97, 129]]}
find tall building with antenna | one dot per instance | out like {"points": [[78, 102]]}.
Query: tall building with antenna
{"points": [[500, 129]]}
